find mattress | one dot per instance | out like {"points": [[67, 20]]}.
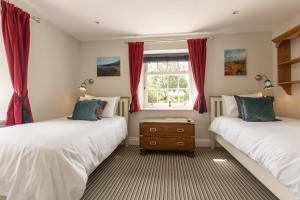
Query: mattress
{"points": [[52, 159], [273, 145]]}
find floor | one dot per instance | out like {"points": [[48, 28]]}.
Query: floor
{"points": [[211, 175]]}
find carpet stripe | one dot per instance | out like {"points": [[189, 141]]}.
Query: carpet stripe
{"points": [[126, 175]]}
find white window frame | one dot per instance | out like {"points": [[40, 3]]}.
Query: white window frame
{"points": [[143, 91]]}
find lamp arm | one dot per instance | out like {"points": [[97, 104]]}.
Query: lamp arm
{"points": [[260, 77], [88, 81]]}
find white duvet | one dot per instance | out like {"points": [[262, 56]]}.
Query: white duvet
{"points": [[51, 160], [273, 145]]}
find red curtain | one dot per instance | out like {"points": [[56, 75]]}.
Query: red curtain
{"points": [[197, 56], [16, 36], [136, 57]]}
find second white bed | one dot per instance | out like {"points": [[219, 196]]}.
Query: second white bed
{"points": [[273, 145], [52, 159]]}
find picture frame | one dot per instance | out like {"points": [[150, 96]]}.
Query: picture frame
{"points": [[108, 66], [235, 62]]}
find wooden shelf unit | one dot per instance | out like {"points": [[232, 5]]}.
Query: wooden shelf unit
{"points": [[289, 82], [283, 44], [290, 62], [289, 35]]}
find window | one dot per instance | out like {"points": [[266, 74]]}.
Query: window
{"points": [[167, 81]]}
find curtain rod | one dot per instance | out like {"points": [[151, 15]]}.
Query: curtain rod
{"points": [[32, 17], [171, 40]]}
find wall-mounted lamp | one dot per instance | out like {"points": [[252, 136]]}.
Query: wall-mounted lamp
{"points": [[268, 83], [83, 85]]}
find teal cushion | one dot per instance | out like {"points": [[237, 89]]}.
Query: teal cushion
{"points": [[257, 109], [86, 110]]}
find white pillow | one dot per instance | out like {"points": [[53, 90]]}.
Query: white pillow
{"points": [[111, 107], [229, 105]]}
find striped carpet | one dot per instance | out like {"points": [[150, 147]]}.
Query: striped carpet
{"points": [[171, 176]]}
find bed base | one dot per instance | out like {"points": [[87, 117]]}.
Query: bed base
{"points": [[263, 175]]}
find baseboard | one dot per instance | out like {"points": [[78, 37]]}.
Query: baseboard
{"points": [[202, 142], [133, 141], [199, 142]]}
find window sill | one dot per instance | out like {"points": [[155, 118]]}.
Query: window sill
{"points": [[166, 109]]}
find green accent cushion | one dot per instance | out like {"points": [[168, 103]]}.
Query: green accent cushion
{"points": [[257, 109], [86, 110]]}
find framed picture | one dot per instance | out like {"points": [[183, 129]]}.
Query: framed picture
{"points": [[235, 62], [108, 66]]}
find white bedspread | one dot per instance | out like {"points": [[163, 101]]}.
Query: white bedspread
{"points": [[273, 145], [51, 160]]}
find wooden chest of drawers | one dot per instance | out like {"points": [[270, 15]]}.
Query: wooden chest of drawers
{"points": [[167, 134]]}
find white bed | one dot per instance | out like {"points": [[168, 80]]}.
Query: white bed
{"points": [[270, 150], [52, 159]]}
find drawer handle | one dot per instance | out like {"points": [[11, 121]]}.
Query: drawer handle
{"points": [[180, 130], [180, 143], [152, 130], [152, 142]]}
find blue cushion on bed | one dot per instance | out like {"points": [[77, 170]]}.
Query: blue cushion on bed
{"points": [[257, 109], [86, 110]]}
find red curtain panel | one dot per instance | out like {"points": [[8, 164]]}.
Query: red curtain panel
{"points": [[197, 56], [16, 36], [136, 58]]}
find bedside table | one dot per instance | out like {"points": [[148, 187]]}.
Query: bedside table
{"points": [[174, 134]]}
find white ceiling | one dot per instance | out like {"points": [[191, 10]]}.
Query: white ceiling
{"points": [[121, 18]]}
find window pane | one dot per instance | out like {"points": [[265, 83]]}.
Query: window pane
{"points": [[152, 96], [163, 96], [152, 81], [183, 66], [173, 95], [167, 81], [173, 67], [162, 82], [183, 96], [152, 67], [173, 81], [162, 66], [183, 81]]}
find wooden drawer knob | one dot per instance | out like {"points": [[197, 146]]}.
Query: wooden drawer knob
{"points": [[152, 142], [180, 143], [180, 130], [153, 130]]}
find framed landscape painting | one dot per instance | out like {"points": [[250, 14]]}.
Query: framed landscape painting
{"points": [[235, 62], [108, 66]]}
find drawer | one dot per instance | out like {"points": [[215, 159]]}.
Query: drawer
{"points": [[156, 143], [167, 129], [151, 129]]}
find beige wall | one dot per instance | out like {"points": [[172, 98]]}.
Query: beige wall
{"points": [[259, 54], [288, 105], [53, 61], [58, 63], [54, 58]]}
